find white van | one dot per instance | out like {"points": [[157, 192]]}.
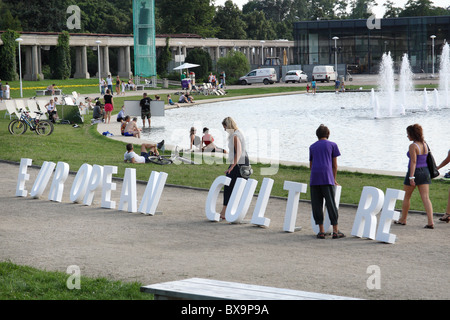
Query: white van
{"points": [[324, 73], [263, 75]]}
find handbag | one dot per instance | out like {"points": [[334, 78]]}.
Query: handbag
{"points": [[432, 164], [245, 171]]}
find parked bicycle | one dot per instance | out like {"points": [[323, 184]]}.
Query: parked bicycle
{"points": [[20, 125], [169, 159]]}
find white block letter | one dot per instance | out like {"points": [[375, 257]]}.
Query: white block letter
{"points": [[326, 218], [42, 179], [128, 195], [388, 214], [211, 200], [152, 193], [240, 200], [365, 222], [295, 189], [57, 187], [261, 204], [95, 182], [80, 183], [23, 177], [108, 185]]}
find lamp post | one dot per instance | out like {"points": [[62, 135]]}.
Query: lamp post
{"points": [[262, 51], [432, 59], [99, 66], [19, 40], [335, 55], [179, 54]]}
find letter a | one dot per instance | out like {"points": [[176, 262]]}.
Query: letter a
{"points": [[128, 195]]}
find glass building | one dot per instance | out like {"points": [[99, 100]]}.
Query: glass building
{"points": [[362, 43]]}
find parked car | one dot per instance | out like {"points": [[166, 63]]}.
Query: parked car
{"points": [[295, 76], [263, 75], [324, 73]]}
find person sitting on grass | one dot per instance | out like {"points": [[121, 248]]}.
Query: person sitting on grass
{"points": [[169, 100], [132, 130]]}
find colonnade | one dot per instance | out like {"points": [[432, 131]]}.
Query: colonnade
{"points": [[34, 42]]}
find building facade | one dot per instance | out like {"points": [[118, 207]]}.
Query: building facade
{"points": [[361, 42]]}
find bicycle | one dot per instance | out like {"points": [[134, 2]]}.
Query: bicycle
{"points": [[20, 125], [169, 159]]}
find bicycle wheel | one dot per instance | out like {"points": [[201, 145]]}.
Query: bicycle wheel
{"points": [[17, 127], [159, 160], [44, 128]]}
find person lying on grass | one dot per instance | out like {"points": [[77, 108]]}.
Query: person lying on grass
{"points": [[147, 150]]}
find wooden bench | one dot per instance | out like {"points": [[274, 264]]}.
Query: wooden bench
{"points": [[206, 289]]}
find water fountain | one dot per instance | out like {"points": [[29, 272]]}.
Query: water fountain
{"points": [[436, 99], [405, 82], [444, 74], [394, 103], [387, 86]]}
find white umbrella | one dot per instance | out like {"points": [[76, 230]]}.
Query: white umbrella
{"points": [[186, 65]]}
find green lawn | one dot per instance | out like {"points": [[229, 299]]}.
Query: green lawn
{"points": [[26, 283], [77, 146]]}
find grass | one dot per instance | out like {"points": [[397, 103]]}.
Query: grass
{"points": [[77, 146], [26, 283]]}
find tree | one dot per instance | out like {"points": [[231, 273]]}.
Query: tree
{"points": [[390, 10], [258, 27], [235, 65], [229, 20], [40, 15], [195, 16], [8, 56], [7, 21], [361, 9], [202, 58], [417, 8], [61, 64], [163, 60]]}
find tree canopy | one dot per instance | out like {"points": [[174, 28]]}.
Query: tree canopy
{"points": [[258, 19]]}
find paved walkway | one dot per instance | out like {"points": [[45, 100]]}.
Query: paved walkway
{"points": [[182, 243]]}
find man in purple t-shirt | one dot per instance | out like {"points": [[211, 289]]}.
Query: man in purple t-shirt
{"points": [[323, 164]]}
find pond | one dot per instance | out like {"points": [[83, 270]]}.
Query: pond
{"points": [[283, 127]]}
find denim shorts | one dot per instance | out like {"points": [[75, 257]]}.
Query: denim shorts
{"points": [[422, 176]]}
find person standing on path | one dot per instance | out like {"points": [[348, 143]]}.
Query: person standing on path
{"points": [[323, 164], [109, 105], [446, 217], [418, 175], [237, 156]]}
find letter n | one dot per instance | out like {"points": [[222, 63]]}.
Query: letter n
{"points": [[152, 193]]}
